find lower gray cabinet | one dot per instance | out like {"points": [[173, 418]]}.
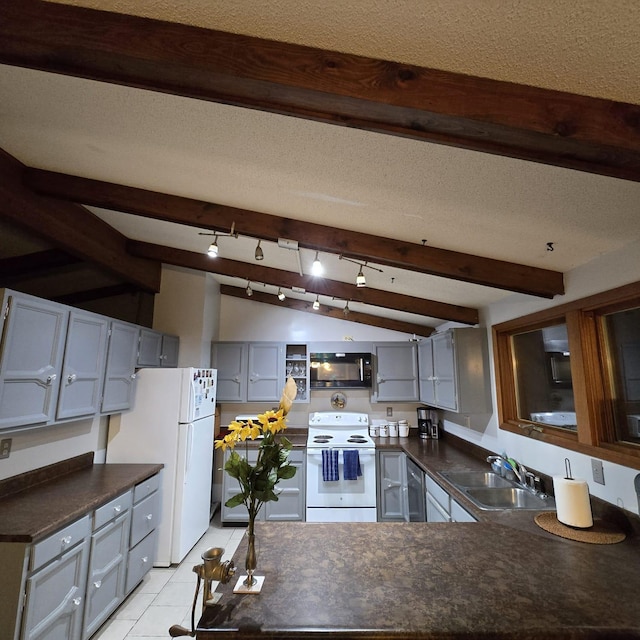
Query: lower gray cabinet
{"points": [[56, 585], [291, 503], [144, 521], [107, 561]]}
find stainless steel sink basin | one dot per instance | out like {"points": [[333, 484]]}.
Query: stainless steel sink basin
{"points": [[467, 479], [509, 498]]}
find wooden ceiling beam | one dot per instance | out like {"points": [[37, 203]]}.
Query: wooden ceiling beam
{"points": [[330, 312], [319, 286], [519, 121], [71, 228], [361, 246], [32, 265]]}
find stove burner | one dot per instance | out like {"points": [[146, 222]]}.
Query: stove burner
{"points": [[357, 439], [321, 439]]}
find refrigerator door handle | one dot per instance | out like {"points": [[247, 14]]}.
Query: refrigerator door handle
{"points": [[189, 451]]}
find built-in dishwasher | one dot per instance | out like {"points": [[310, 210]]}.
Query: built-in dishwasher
{"points": [[415, 492]]}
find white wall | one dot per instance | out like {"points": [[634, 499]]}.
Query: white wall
{"points": [[607, 272]]}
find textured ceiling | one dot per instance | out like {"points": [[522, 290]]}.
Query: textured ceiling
{"points": [[388, 186]]}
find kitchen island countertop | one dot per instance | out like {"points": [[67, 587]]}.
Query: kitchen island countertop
{"points": [[421, 580]]}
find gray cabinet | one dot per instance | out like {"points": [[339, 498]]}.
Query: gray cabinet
{"points": [[392, 486], [396, 372], [297, 366], [249, 372], [56, 585], [265, 371], [230, 359], [454, 370], [157, 349], [290, 505], [122, 354], [31, 354], [441, 507], [107, 562], [83, 368]]}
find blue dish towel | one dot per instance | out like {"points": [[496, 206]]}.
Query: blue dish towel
{"points": [[330, 465], [351, 464]]}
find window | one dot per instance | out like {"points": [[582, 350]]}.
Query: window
{"points": [[570, 375]]}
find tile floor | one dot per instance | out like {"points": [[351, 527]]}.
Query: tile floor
{"points": [[165, 596]]}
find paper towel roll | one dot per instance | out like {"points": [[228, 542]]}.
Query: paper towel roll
{"points": [[572, 502]]}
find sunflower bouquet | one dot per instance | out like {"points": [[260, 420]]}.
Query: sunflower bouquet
{"points": [[257, 482]]}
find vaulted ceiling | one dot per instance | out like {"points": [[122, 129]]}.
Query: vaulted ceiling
{"points": [[126, 138]]}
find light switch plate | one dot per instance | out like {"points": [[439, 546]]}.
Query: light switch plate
{"points": [[5, 448], [597, 470], [389, 412]]}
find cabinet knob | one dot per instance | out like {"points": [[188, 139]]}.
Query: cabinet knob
{"points": [[71, 378], [77, 601], [51, 378], [145, 559], [97, 584], [149, 516], [117, 509], [66, 541], [133, 376]]}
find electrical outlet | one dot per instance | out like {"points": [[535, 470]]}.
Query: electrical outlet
{"points": [[597, 470], [5, 448], [389, 412]]}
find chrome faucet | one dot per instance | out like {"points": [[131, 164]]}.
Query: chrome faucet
{"points": [[524, 478]]}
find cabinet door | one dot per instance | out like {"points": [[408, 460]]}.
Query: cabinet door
{"points": [[230, 488], [84, 362], [425, 368], [291, 502], [297, 366], [170, 351], [230, 359], [397, 372], [265, 371], [55, 598], [33, 336], [107, 567], [392, 487], [149, 348], [445, 371], [122, 355]]}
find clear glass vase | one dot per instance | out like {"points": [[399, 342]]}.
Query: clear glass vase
{"points": [[251, 561]]}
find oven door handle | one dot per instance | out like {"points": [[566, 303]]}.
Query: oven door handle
{"points": [[361, 452]]}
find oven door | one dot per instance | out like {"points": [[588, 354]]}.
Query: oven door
{"points": [[341, 493]]}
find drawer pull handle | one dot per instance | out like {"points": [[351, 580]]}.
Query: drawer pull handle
{"points": [[66, 540], [117, 509], [77, 601], [97, 584]]}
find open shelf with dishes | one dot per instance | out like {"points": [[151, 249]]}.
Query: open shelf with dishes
{"points": [[297, 366]]}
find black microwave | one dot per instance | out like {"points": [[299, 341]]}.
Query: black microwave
{"points": [[340, 370]]}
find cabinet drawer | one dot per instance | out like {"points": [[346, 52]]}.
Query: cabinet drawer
{"points": [[145, 517], [438, 493], [146, 488], [60, 541], [111, 510], [460, 514], [140, 561]]}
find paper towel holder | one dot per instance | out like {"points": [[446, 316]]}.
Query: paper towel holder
{"points": [[567, 469]]}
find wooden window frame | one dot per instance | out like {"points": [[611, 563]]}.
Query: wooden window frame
{"points": [[595, 435]]}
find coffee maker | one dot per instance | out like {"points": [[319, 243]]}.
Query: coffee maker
{"points": [[424, 422]]}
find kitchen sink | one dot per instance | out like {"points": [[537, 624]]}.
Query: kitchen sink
{"points": [[489, 491], [509, 498], [466, 479]]}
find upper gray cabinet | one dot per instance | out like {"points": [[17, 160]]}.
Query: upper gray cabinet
{"points": [[122, 355], [157, 349], [396, 372], [230, 359], [454, 369], [84, 363], [266, 371], [31, 356]]}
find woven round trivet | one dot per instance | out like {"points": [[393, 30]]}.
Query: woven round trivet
{"points": [[599, 533]]}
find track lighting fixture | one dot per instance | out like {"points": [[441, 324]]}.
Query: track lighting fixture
{"points": [[316, 303], [346, 311], [317, 268], [281, 295], [212, 251], [259, 255], [249, 290], [361, 281]]}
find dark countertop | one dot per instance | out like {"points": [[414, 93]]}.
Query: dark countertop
{"points": [[35, 504], [421, 580]]}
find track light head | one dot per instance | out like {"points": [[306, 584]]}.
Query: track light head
{"points": [[281, 295], [259, 255], [212, 251], [249, 290], [316, 304], [361, 281], [316, 268], [346, 311]]}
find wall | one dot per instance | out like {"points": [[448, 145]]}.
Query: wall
{"points": [[606, 272]]}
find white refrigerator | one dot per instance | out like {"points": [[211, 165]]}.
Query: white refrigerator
{"points": [[172, 422]]}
